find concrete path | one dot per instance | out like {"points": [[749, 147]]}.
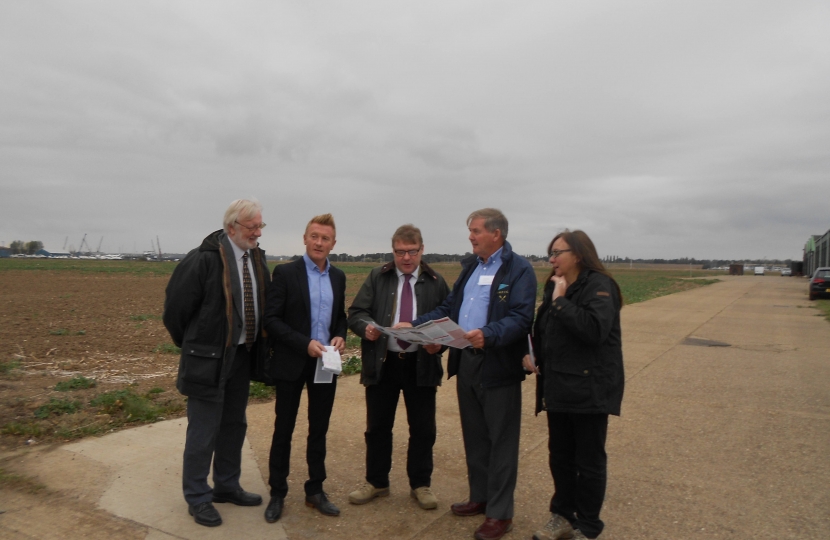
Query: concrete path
{"points": [[725, 433]]}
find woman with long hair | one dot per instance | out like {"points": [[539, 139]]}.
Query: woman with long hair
{"points": [[577, 340]]}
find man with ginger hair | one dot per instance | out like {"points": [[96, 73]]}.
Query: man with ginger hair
{"points": [[304, 313], [213, 310]]}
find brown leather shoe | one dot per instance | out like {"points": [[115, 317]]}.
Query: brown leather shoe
{"points": [[468, 508], [493, 529]]}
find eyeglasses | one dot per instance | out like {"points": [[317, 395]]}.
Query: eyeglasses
{"points": [[403, 252], [557, 252], [255, 227]]}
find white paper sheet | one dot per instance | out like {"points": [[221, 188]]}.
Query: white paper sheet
{"points": [[321, 375], [331, 361]]}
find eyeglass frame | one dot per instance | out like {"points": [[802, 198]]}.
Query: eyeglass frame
{"points": [[404, 252], [555, 253], [259, 226]]}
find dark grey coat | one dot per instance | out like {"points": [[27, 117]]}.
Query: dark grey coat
{"points": [[205, 317]]}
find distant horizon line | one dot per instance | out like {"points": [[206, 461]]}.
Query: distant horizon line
{"points": [[387, 256]]}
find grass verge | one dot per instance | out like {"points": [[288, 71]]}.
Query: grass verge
{"points": [[75, 383], [151, 268], [145, 317], [130, 407], [352, 340], [352, 365], [260, 391], [57, 407], [8, 367], [23, 429], [824, 308], [167, 348], [639, 286]]}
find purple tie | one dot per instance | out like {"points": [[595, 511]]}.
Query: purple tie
{"points": [[406, 307]]}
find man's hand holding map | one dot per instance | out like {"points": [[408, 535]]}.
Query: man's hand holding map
{"points": [[437, 332]]}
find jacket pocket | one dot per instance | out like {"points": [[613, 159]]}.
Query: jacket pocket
{"points": [[202, 364], [573, 388]]}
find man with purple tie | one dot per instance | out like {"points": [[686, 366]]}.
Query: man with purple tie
{"points": [[398, 291]]}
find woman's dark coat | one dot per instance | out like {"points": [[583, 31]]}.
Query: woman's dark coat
{"points": [[578, 344]]}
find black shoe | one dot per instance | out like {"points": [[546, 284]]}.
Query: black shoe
{"points": [[205, 514], [322, 503], [240, 497], [274, 510]]}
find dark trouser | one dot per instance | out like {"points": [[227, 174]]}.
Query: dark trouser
{"points": [[320, 402], [491, 423], [216, 429], [579, 466], [399, 374]]}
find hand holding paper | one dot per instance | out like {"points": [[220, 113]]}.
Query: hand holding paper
{"points": [[437, 332]]}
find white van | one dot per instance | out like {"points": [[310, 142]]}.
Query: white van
{"points": [[759, 270]]}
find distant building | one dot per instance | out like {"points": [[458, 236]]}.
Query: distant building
{"points": [[816, 253], [5, 252], [55, 254]]}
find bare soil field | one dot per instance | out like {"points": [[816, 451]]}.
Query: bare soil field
{"points": [[83, 350], [58, 326]]}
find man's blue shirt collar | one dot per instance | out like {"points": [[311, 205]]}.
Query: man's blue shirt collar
{"points": [[496, 254], [311, 266]]}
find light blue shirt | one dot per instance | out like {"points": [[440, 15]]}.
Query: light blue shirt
{"points": [[473, 312], [321, 299]]}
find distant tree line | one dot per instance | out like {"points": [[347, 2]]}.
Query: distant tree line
{"points": [[25, 248], [704, 263], [381, 258], [386, 257], [428, 258]]}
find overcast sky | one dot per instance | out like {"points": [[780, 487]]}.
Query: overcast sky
{"points": [[663, 129]]}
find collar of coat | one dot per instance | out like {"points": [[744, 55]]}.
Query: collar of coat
{"points": [[424, 268], [212, 241]]}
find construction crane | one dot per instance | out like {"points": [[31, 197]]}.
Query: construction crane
{"points": [[99, 245], [81, 247], [64, 243], [158, 245]]}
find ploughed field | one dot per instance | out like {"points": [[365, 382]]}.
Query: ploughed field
{"points": [[83, 350]]}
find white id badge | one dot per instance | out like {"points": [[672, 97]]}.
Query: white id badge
{"points": [[485, 280]]}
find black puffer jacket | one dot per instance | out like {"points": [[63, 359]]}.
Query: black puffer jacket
{"points": [[578, 342]]}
